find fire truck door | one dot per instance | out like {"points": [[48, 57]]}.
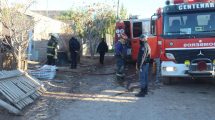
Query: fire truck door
{"points": [[153, 43]]}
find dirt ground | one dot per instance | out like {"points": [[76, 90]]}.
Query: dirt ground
{"points": [[91, 92], [86, 79]]}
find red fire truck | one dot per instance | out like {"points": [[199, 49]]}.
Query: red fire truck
{"points": [[133, 28], [184, 38]]}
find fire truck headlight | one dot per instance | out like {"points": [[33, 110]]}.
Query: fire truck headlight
{"points": [[170, 56], [169, 69], [187, 62]]}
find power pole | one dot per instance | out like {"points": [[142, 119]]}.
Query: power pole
{"points": [[47, 2], [117, 14]]}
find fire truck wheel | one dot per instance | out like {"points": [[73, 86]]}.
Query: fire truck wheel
{"points": [[167, 80]]}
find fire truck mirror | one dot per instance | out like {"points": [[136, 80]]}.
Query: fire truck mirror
{"points": [[154, 18]]}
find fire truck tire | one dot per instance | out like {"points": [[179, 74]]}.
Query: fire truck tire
{"points": [[167, 80]]}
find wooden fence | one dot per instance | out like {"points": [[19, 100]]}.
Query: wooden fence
{"points": [[18, 89]]}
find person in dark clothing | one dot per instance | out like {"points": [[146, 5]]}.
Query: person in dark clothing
{"points": [[102, 49], [142, 65], [120, 54], [52, 50], [74, 47]]}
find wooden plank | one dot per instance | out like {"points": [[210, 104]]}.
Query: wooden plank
{"points": [[35, 95], [20, 93], [25, 88], [19, 88], [28, 91], [28, 84], [13, 92], [7, 91], [7, 94], [9, 107], [9, 75], [34, 80], [19, 105], [19, 82], [28, 100]]}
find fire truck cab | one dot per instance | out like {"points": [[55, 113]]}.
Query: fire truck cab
{"points": [[184, 31]]}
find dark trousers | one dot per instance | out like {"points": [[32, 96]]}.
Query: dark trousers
{"points": [[74, 59], [143, 75], [51, 60], [120, 64], [102, 55]]}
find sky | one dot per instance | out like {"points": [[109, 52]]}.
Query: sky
{"points": [[142, 8]]}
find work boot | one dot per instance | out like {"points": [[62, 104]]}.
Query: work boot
{"points": [[141, 93], [146, 90]]}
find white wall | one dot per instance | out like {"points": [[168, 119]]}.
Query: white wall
{"points": [[42, 28]]}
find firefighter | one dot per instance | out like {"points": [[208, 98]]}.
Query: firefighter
{"points": [[74, 47], [120, 53], [102, 49], [52, 49], [142, 65]]}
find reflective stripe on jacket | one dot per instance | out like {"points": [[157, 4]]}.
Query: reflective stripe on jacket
{"points": [[52, 48]]}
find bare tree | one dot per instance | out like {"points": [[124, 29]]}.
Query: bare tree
{"points": [[91, 23], [15, 27]]}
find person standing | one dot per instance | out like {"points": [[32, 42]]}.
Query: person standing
{"points": [[74, 47], [52, 47], [120, 54], [142, 65], [102, 49]]}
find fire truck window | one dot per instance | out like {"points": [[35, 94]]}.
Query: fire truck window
{"points": [[189, 23], [174, 24], [203, 20], [153, 27], [127, 28], [171, 19], [146, 27], [211, 23], [137, 29]]}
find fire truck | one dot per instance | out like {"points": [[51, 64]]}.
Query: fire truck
{"points": [[133, 28], [183, 37]]}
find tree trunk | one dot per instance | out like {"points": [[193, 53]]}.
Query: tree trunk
{"points": [[19, 60]]}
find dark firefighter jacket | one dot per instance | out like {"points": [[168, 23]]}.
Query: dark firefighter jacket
{"points": [[141, 54], [52, 47], [120, 49], [74, 45], [102, 48]]}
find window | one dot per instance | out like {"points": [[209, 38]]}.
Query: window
{"points": [[137, 29], [127, 28], [192, 23]]}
